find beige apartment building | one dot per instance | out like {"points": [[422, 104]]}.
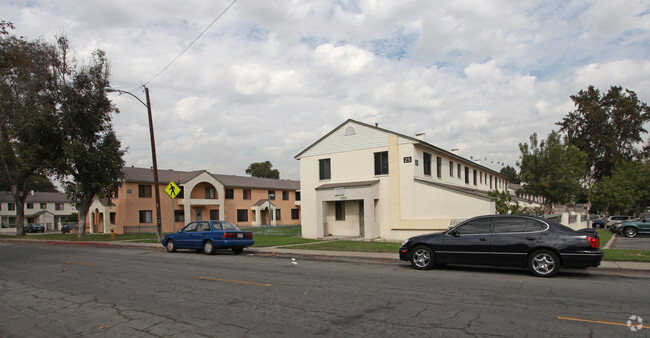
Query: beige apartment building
{"points": [[48, 208], [245, 201], [364, 181]]}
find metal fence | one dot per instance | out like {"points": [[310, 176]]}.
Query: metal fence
{"points": [[140, 229], [278, 230]]}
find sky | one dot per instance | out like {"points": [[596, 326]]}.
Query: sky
{"points": [[269, 78]]}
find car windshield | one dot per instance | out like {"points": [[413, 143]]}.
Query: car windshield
{"points": [[227, 225]]}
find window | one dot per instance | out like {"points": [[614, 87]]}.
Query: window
{"points": [[285, 195], [214, 214], [324, 169], [297, 195], [242, 215], [115, 194], [340, 210], [179, 215], [247, 194], [278, 214], [467, 175], [481, 177], [144, 190], [459, 168], [490, 181], [58, 206], [181, 194], [295, 213], [209, 193], [439, 166], [146, 216], [381, 163], [475, 226], [427, 164], [230, 194], [505, 225], [43, 205], [11, 206], [451, 168], [111, 217], [475, 177], [272, 195], [30, 205]]}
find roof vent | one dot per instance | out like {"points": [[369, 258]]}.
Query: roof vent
{"points": [[454, 151], [420, 136]]}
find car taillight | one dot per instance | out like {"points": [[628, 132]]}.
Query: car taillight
{"points": [[236, 235], [230, 235], [594, 242], [248, 235]]}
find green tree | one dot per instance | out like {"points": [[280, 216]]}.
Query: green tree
{"points": [[504, 204], [511, 174], [263, 169], [551, 169], [628, 188], [608, 128], [35, 183], [29, 135], [93, 155]]}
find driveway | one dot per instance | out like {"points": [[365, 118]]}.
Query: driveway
{"points": [[642, 242]]}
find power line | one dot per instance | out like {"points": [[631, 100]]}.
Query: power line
{"points": [[190, 45]]}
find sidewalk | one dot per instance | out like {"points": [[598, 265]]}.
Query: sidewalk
{"points": [[376, 257]]}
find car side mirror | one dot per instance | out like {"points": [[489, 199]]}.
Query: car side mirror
{"points": [[180, 230]]}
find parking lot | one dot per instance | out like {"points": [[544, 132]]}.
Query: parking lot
{"points": [[641, 242]]}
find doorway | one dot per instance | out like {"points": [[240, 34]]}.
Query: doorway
{"points": [[361, 219]]}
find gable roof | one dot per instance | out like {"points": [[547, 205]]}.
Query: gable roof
{"points": [[145, 175], [413, 140], [37, 197]]}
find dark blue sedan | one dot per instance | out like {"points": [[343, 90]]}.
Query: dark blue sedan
{"points": [[534, 243], [207, 236]]}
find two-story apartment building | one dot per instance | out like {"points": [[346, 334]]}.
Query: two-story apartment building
{"points": [[47, 208], [362, 180], [245, 201]]}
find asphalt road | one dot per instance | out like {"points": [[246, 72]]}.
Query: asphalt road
{"points": [[65, 291], [641, 242]]}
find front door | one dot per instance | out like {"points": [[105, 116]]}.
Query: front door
{"points": [[512, 239]]}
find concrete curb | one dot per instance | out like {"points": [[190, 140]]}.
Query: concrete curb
{"points": [[348, 256]]}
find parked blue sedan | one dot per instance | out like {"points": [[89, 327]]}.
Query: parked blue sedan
{"points": [[209, 236]]}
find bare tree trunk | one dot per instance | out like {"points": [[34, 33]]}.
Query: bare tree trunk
{"points": [[19, 199], [82, 207]]}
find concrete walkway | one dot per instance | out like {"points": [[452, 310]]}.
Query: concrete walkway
{"points": [[288, 251]]}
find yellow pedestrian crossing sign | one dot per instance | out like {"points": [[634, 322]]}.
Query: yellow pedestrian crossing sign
{"points": [[172, 190]]}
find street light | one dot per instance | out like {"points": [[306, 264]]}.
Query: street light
{"points": [[153, 154]]}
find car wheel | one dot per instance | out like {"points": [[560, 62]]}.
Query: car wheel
{"points": [[630, 232], [170, 246], [208, 247], [543, 263], [237, 251], [422, 258]]}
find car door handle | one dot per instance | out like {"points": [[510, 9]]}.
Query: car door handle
{"points": [[483, 239], [531, 238]]}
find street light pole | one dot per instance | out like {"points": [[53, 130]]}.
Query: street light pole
{"points": [[153, 155]]}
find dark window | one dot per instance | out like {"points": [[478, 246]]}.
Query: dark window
{"points": [[30, 205], [475, 174], [242, 215], [340, 210], [439, 166], [427, 164], [111, 217], [490, 181], [297, 195], [451, 168], [181, 194], [324, 169], [285, 195], [58, 206], [179, 215], [144, 190], [508, 224], [209, 193], [214, 214], [295, 213], [272, 195], [459, 167], [467, 175], [11, 206], [278, 214], [476, 226], [116, 193], [381, 163], [146, 216], [43, 205], [534, 225], [230, 194], [247, 194]]}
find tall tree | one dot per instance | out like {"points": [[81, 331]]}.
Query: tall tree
{"points": [[551, 168], [35, 183], [511, 174], [263, 169], [93, 155], [608, 128], [628, 188], [29, 135]]}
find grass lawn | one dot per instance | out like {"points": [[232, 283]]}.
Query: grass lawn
{"points": [[627, 255], [357, 246]]}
